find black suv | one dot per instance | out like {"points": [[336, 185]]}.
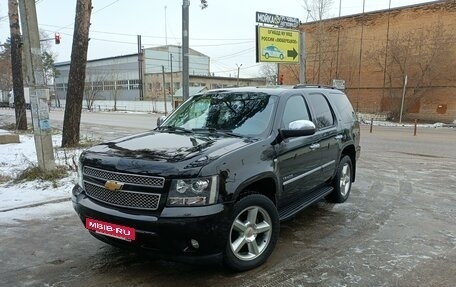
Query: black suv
{"points": [[216, 177]]}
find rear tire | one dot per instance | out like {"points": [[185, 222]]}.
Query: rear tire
{"points": [[253, 233], [343, 181]]}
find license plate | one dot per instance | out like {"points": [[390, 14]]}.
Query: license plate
{"points": [[110, 229]]}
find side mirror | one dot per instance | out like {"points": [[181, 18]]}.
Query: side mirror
{"points": [[298, 128], [160, 120], [302, 125]]}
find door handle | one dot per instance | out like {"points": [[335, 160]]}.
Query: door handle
{"points": [[339, 137], [315, 146]]}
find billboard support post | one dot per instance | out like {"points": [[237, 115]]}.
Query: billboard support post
{"points": [[302, 57]]}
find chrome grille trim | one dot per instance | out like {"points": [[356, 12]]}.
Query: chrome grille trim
{"points": [[142, 180], [123, 198]]}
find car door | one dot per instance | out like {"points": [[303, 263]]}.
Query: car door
{"points": [[327, 135], [297, 159]]}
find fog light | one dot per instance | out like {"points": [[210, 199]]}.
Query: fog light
{"points": [[77, 190], [194, 243]]}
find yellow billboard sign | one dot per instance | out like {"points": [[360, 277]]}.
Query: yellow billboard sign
{"points": [[277, 45]]}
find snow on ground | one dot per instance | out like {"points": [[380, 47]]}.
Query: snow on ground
{"points": [[16, 157]]}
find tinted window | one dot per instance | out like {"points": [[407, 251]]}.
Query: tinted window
{"points": [[344, 107], [242, 113], [322, 112], [295, 109]]}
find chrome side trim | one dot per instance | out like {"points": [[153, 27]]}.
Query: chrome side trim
{"points": [[309, 172]]}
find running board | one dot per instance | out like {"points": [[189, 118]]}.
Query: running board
{"points": [[289, 211]]}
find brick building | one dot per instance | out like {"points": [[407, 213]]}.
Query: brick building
{"points": [[374, 53]]}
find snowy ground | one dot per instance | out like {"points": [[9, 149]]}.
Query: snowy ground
{"points": [[15, 158]]}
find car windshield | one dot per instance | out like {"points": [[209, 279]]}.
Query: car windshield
{"points": [[239, 113]]}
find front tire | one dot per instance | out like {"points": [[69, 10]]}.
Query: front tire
{"points": [[253, 233], [343, 181]]}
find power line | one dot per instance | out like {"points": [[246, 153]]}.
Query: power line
{"points": [[236, 53], [159, 37], [94, 12], [156, 44]]}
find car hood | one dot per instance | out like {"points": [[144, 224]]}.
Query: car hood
{"points": [[194, 149]]}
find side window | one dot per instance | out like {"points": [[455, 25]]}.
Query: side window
{"points": [[344, 106], [295, 109], [322, 112]]}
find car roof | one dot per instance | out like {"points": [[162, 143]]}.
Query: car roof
{"points": [[274, 90]]}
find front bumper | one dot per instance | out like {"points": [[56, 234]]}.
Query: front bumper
{"points": [[167, 233]]}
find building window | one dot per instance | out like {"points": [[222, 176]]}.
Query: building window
{"points": [[122, 85], [60, 87], [97, 86], [133, 84], [109, 85]]}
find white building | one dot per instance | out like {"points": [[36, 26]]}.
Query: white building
{"points": [[118, 78]]}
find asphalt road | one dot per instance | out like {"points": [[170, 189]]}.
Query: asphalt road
{"points": [[106, 125], [397, 229]]}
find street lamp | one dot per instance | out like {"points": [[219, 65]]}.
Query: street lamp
{"points": [[238, 68]]}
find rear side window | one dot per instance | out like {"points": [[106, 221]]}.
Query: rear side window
{"points": [[344, 107], [323, 116]]}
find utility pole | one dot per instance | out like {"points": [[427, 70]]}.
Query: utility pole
{"points": [[338, 41], [166, 30], [360, 58], [164, 89], [140, 69], [386, 57], [172, 83], [185, 48], [39, 93], [302, 57], [238, 68], [403, 97]]}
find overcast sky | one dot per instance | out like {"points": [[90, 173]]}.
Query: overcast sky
{"points": [[225, 31]]}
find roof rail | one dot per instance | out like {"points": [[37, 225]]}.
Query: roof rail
{"points": [[301, 86]]}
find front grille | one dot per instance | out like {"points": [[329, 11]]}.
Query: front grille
{"points": [[151, 181], [123, 198], [134, 194]]}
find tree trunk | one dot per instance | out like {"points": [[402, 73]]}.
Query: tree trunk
{"points": [[76, 78], [16, 67]]}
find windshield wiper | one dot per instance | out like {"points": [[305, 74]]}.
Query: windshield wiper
{"points": [[174, 128], [214, 130]]}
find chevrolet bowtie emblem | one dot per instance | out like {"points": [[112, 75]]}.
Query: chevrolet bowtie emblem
{"points": [[113, 185]]}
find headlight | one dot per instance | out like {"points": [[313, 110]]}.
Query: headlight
{"points": [[195, 191], [80, 179]]}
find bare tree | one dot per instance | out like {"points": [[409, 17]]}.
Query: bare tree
{"points": [[114, 88], [92, 88], [6, 77], [48, 57], [16, 66], [269, 71], [318, 10], [76, 77]]}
